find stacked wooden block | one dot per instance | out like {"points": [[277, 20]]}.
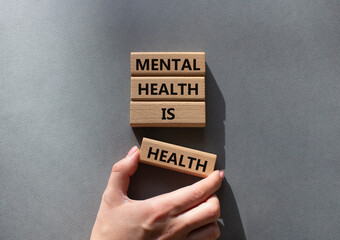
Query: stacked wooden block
{"points": [[167, 89]]}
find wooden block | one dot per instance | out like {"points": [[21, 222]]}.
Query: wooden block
{"points": [[167, 64], [168, 88], [167, 114], [177, 158]]}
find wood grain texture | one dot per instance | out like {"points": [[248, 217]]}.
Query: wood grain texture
{"points": [[177, 158], [167, 64], [160, 114], [168, 88]]}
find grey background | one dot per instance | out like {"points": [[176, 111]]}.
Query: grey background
{"points": [[273, 105]]}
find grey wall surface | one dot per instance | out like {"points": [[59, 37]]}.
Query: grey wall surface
{"points": [[273, 105]]}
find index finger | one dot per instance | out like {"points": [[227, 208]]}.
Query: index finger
{"points": [[185, 198]]}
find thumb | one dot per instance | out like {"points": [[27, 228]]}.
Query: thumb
{"points": [[120, 176]]}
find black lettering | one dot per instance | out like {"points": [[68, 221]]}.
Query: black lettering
{"points": [[162, 63], [142, 66], [191, 159], [172, 115], [169, 112], [204, 165], [195, 68], [194, 88], [153, 88], [140, 89], [154, 64], [163, 89], [176, 60], [182, 87], [172, 89], [163, 155], [180, 161], [173, 158], [186, 64], [163, 115], [153, 153]]}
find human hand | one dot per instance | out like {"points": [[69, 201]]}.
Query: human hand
{"points": [[187, 213]]}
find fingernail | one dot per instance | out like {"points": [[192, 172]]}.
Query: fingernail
{"points": [[132, 151], [221, 175]]}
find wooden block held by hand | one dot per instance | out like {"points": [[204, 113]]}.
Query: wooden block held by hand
{"points": [[168, 88], [167, 64], [177, 158], [167, 114]]}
